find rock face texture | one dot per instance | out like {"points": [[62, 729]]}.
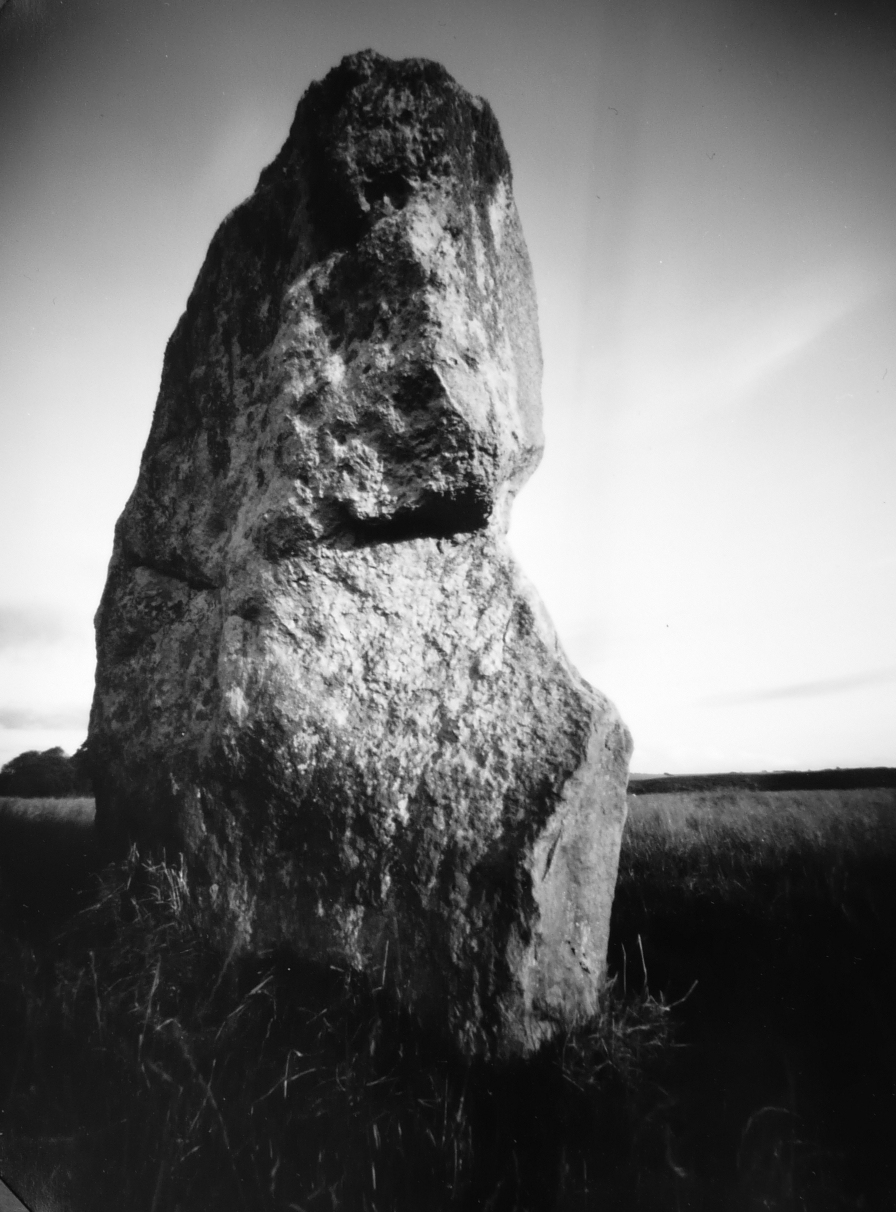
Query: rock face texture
{"points": [[320, 673]]}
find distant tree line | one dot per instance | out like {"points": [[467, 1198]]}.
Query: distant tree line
{"points": [[51, 773]]}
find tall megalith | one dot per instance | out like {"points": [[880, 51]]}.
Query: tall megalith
{"points": [[321, 675]]}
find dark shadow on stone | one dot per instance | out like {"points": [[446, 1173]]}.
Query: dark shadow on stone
{"points": [[435, 517]]}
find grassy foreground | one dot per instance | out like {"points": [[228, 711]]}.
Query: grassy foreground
{"points": [[141, 1070]]}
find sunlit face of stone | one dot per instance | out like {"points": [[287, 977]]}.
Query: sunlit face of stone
{"points": [[406, 418]]}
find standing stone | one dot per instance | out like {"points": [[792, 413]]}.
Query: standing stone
{"points": [[321, 674]]}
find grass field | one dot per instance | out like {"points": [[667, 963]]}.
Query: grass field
{"points": [[781, 905], [48, 858], [745, 1057]]}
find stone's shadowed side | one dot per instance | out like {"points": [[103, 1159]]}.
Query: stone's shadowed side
{"points": [[320, 673]]}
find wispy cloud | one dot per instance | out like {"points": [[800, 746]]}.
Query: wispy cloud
{"points": [[32, 625], [804, 690], [17, 719], [703, 361]]}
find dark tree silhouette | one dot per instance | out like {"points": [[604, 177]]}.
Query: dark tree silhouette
{"points": [[51, 773]]}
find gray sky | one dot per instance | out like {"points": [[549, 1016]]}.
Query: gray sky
{"points": [[707, 194]]}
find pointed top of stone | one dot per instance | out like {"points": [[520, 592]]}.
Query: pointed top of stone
{"points": [[376, 128]]}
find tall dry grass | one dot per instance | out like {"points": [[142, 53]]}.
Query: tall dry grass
{"points": [[142, 1068], [153, 1072], [781, 905]]}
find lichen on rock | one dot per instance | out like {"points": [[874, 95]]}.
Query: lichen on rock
{"points": [[321, 674]]}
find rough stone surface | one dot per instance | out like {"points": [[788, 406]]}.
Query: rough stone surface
{"points": [[321, 675]]}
